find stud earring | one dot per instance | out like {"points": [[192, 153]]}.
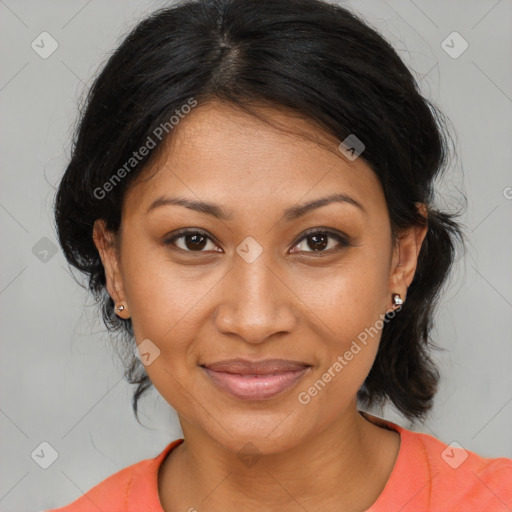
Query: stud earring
{"points": [[122, 307], [397, 300]]}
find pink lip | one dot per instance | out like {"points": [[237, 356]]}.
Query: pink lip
{"points": [[257, 380]]}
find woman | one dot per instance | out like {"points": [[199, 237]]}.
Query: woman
{"points": [[251, 197]]}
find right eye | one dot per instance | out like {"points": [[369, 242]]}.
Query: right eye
{"points": [[190, 240]]}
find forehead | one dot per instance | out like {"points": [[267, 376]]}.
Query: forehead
{"points": [[222, 153]]}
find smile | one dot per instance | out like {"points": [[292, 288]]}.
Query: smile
{"points": [[255, 381]]}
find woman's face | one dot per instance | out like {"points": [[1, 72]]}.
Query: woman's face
{"points": [[251, 283]]}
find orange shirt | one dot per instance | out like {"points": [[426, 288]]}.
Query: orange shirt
{"points": [[428, 476]]}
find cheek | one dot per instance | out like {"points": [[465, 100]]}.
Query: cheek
{"points": [[348, 349], [351, 308], [160, 293], [349, 297], [165, 305]]}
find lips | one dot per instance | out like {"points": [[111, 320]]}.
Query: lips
{"points": [[263, 367], [255, 380]]}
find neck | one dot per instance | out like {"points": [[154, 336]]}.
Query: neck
{"points": [[345, 466]]}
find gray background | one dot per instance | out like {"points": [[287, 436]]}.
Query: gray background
{"points": [[61, 380]]}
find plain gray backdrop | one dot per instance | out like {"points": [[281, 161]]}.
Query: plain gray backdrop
{"points": [[61, 381]]}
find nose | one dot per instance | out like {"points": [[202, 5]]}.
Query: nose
{"points": [[255, 301]]}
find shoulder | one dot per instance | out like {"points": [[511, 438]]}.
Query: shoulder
{"points": [[454, 478], [135, 484], [432, 476], [470, 478], [108, 493]]}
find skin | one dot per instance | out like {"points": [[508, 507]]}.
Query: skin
{"points": [[290, 303]]}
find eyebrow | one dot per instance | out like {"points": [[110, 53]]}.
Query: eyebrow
{"points": [[290, 214]]}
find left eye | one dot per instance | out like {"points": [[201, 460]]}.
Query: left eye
{"points": [[319, 240]]}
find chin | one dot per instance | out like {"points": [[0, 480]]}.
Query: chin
{"points": [[262, 432]]}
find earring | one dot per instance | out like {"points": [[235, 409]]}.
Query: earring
{"points": [[122, 307], [397, 300]]}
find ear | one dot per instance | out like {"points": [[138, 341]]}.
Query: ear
{"points": [[405, 255], [106, 243]]}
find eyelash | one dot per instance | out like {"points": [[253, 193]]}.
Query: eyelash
{"points": [[342, 240]]}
